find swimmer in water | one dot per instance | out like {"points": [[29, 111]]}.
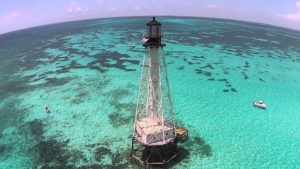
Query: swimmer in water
{"points": [[47, 110]]}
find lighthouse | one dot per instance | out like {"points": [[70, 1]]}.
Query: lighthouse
{"points": [[154, 132]]}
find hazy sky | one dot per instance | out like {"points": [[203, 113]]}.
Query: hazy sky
{"points": [[18, 14]]}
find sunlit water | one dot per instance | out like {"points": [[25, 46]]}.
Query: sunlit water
{"points": [[88, 74]]}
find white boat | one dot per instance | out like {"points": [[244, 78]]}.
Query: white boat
{"points": [[260, 104]]}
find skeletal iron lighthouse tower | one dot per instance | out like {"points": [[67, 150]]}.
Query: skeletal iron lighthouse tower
{"points": [[154, 136]]}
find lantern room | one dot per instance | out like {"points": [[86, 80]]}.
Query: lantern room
{"points": [[153, 35], [153, 29]]}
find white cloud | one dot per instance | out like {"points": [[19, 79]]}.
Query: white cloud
{"points": [[10, 17], [211, 6], [294, 16], [74, 7]]}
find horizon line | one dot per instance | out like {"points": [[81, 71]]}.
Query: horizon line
{"points": [[179, 16]]}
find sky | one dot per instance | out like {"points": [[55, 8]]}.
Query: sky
{"points": [[20, 14]]}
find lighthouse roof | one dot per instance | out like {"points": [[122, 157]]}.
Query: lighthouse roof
{"points": [[153, 22]]}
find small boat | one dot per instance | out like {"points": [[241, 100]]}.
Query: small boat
{"points": [[260, 104]]}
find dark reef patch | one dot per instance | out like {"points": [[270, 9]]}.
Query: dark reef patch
{"points": [[100, 152], [197, 146], [233, 90], [10, 115], [245, 75], [58, 81], [82, 94], [120, 160], [101, 83], [227, 85], [75, 101], [63, 69], [75, 65], [92, 145], [13, 85], [246, 64], [208, 66], [223, 80], [191, 63], [129, 107], [180, 68], [131, 86], [169, 63], [203, 72], [2, 149], [225, 70], [92, 166], [36, 128], [225, 90], [194, 145], [119, 94], [103, 61], [76, 156], [199, 57], [211, 79], [262, 80], [5, 151], [202, 147], [52, 153], [119, 61], [100, 69], [117, 119]]}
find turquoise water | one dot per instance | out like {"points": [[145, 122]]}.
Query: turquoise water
{"points": [[88, 75]]}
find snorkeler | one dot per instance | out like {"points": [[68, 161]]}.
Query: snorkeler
{"points": [[47, 110]]}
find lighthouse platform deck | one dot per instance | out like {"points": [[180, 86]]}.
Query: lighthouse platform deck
{"points": [[154, 131]]}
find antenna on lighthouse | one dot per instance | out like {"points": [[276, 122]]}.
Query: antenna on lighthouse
{"points": [[154, 133]]}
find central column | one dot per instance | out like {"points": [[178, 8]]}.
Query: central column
{"points": [[154, 79]]}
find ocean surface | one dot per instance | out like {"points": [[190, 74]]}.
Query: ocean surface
{"points": [[88, 73]]}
